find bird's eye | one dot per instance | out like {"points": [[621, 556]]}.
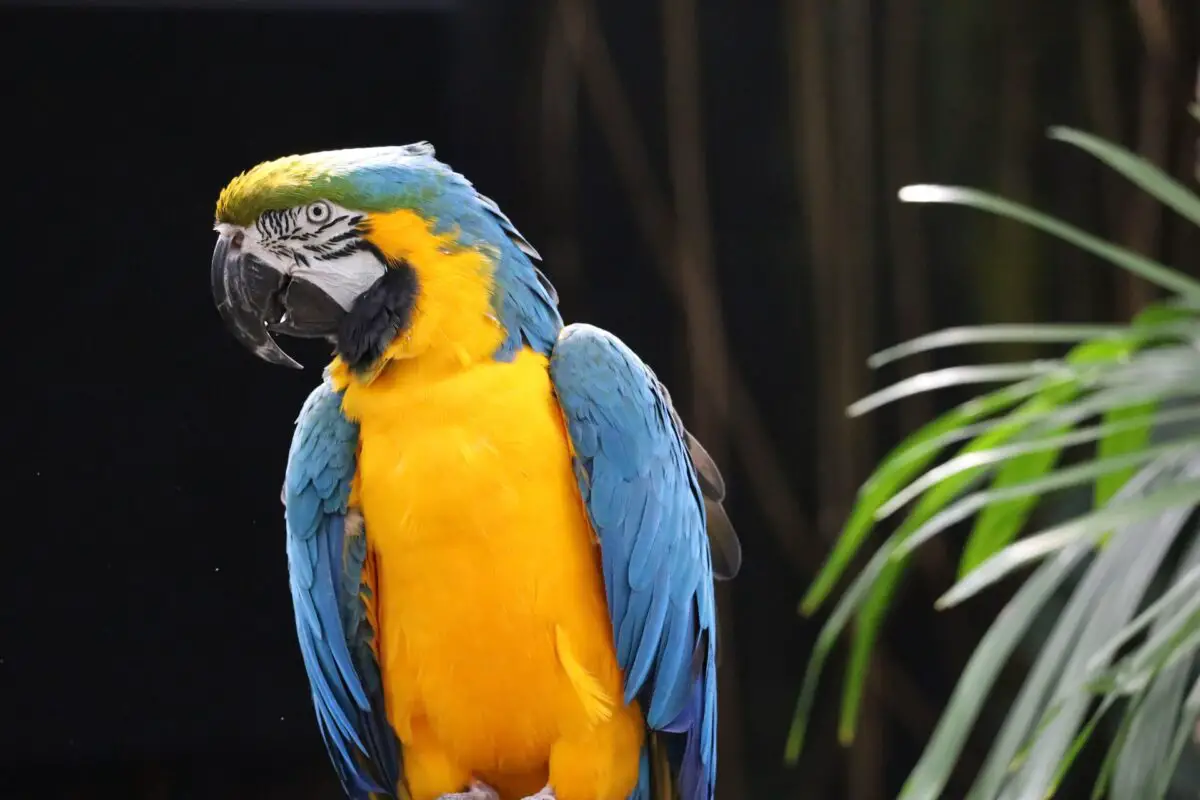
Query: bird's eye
{"points": [[318, 212]]}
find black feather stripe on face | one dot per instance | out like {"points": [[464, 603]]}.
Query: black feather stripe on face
{"points": [[378, 315]]}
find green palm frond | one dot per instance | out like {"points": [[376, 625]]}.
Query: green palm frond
{"points": [[1129, 635]]}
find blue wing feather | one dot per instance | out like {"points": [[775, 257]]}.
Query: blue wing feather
{"points": [[646, 506], [325, 573]]}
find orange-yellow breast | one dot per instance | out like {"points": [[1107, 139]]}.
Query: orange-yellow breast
{"points": [[495, 640]]}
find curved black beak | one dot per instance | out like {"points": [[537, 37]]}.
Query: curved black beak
{"points": [[248, 294]]}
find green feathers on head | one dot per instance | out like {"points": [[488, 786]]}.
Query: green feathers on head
{"points": [[363, 179]]}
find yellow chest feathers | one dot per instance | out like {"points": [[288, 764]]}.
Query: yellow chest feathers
{"points": [[471, 457], [495, 634]]}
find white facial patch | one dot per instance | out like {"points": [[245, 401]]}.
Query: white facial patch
{"points": [[320, 242], [345, 278]]}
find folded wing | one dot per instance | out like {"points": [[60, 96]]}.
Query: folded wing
{"points": [[327, 551], [647, 507]]}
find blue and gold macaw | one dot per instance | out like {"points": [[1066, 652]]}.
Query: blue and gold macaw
{"points": [[496, 525]]}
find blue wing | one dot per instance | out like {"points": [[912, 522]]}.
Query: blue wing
{"points": [[646, 506], [326, 549]]}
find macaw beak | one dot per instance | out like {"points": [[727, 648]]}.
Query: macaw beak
{"points": [[256, 298]]}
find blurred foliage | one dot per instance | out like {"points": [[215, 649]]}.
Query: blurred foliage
{"points": [[1129, 633], [715, 180], [850, 101]]}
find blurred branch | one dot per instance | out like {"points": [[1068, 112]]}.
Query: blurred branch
{"points": [[559, 136], [1144, 213], [1155, 26], [693, 231], [816, 179], [619, 127], [833, 158], [853, 335], [912, 281], [902, 166], [1196, 145], [1100, 94], [1010, 282], [1183, 246], [749, 440], [654, 218], [1103, 104], [703, 324], [823, 208]]}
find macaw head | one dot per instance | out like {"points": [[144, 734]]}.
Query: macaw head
{"points": [[385, 252]]}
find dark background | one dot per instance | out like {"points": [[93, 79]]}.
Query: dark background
{"points": [[146, 635]]}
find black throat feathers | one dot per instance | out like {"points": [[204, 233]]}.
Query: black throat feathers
{"points": [[378, 315]]}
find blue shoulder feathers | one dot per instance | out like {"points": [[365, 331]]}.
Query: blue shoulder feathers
{"points": [[525, 302], [326, 548], [646, 506]]}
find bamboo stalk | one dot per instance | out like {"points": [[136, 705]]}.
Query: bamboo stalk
{"points": [[703, 324], [1143, 220], [903, 165], [559, 123], [1198, 141], [1103, 105], [749, 439], [852, 336], [816, 179], [693, 248]]}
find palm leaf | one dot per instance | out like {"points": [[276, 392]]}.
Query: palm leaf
{"points": [[995, 334], [1089, 527], [1144, 757], [1097, 365], [905, 461], [1184, 731], [998, 524], [929, 778], [1166, 189], [1106, 599], [1120, 636], [1130, 439], [1139, 265]]}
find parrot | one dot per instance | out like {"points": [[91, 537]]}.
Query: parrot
{"points": [[501, 539]]}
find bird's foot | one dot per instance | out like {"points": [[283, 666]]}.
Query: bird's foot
{"points": [[478, 790], [544, 794]]}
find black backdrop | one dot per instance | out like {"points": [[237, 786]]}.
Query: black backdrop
{"points": [[142, 591], [145, 626]]}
